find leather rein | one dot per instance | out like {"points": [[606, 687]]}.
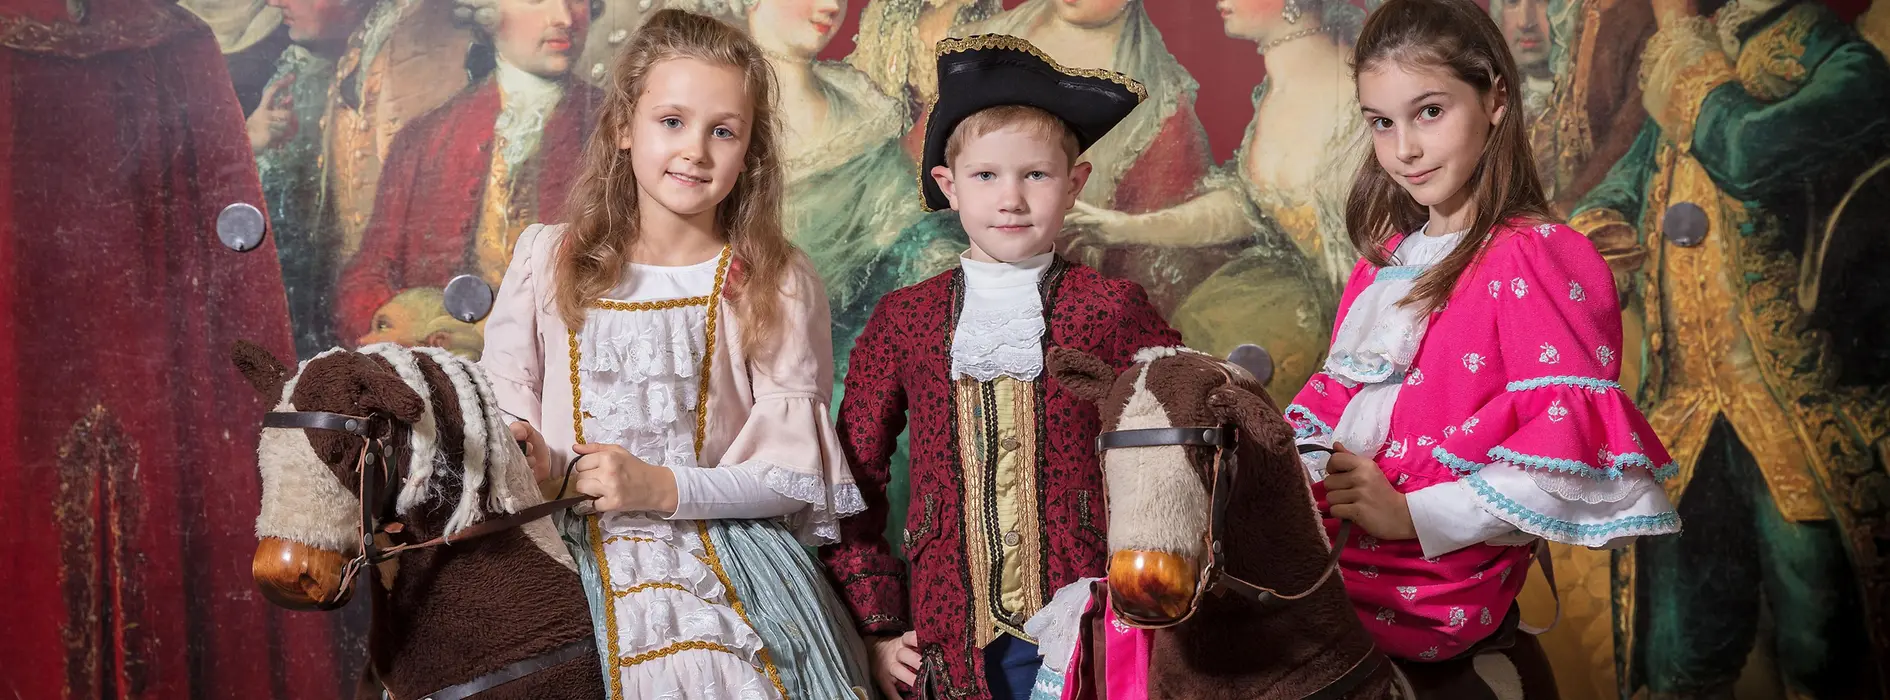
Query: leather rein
{"points": [[377, 486]]}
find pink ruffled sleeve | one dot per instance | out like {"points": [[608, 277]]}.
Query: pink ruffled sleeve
{"points": [[1319, 404], [1562, 453], [513, 357], [789, 440]]}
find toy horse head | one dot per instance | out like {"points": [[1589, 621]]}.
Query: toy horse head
{"points": [[1187, 438], [387, 442]]}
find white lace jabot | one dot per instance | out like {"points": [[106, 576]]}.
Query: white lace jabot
{"points": [[525, 102], [1380, 337], [1000, 330]]}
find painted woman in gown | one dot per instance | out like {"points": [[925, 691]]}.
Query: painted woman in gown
{"points": [[850, 184], [1281, 196]]}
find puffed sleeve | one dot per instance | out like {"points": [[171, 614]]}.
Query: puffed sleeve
{"points": [[789, 439], [1318, 405], [1562, 453], [513, 357]]}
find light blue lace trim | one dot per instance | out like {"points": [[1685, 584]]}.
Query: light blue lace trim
{"points": [[1550, 526], [1575, 467], [1589, 383], [1313, 427], [1570, 466], [1401, 272], [1377, 371], [1457, 464]]}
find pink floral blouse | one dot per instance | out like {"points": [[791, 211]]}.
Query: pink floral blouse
{"points": [[1513, 396]]}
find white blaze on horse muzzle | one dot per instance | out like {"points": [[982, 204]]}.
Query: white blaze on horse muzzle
{"points": [[302, 501], [1158, 518], [1156, 500]]}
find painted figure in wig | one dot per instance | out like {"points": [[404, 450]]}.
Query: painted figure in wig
{"points": [[668, 353], [1755, 263], [1472, 392], [462, 182], [1007, 501]]}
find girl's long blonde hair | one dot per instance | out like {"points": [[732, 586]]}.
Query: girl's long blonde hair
{"points": [[603, 201], [1458, 36]]}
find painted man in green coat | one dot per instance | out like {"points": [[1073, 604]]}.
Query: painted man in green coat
{"points": [[1774, 406]]}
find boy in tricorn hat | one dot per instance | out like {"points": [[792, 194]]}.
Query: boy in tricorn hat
{"points": [[1007, 488]]}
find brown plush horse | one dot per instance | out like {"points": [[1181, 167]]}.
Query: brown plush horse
{"points": [[501, 612], [1226, 639]]}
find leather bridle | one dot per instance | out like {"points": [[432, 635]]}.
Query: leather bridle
{"points": [[1213, 576], [377, 484], [1225, 468]]}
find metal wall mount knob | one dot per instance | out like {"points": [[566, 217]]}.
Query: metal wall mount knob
{"points": [[241, 227], [468, 298]]}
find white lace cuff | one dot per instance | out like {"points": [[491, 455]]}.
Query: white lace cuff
{"points": [[761, 489], [1447, 518], [1521, 497], [1058, 626]]}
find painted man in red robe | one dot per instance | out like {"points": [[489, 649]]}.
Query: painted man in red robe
{"points": [[461, 182], [128, 485]]}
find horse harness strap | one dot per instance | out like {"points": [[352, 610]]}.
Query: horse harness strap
{"points": [[1363, 669], [1224, 440], [575, 650]]}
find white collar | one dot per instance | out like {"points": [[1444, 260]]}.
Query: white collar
{"points": [[1001, 327], [996, 275], [519, 89]]}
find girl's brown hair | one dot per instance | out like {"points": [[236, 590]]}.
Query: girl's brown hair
{"points": [[603, 201], [1458, 36]]}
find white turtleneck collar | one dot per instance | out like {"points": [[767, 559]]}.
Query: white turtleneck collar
{"points": [[1000, 330]]}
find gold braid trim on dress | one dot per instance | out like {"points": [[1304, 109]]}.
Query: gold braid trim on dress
{"points": [[618, 663], [674, 649]]}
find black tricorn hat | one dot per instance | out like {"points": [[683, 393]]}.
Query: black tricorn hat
{"points": [[979, 72]]}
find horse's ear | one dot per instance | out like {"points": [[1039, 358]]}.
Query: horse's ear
{"points": [[1083, 374], [1254, 413], [263, 370], [382, 390]]}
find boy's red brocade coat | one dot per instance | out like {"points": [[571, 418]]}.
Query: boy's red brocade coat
{"points": [[901, 370]]}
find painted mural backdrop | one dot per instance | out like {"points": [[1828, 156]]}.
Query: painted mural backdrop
{"points": [[1730, 158]]}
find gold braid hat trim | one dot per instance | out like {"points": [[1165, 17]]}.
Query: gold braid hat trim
{"points": [[984, 42], [981, 42], [618, 662]]}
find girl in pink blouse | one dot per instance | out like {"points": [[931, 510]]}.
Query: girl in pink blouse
{"points": [[1471, 391]]}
